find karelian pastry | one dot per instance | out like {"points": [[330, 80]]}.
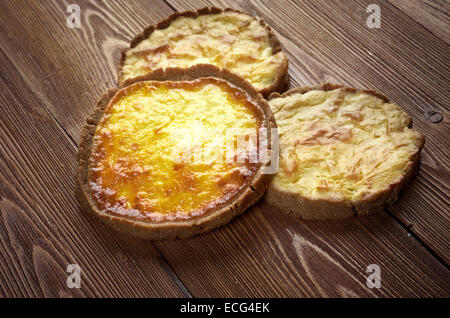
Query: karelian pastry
{"points": [[343, 152], [131, 173], [225, 38]]}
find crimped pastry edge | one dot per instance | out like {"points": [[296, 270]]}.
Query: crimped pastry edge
{"points": [[172, 229], [280, 84], [322, 209]]}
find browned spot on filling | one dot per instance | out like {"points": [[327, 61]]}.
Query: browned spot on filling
{"points": [[355, 115], [150, 51], [326, 136]]}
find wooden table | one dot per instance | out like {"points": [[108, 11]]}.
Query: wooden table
{"points": [[51, 77]]}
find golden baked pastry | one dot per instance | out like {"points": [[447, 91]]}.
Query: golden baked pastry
{"points": [[139, 165], [343, 152], [225, 38]]}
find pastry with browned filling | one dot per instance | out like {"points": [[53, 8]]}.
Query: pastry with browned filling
{"points": [[225, 38], [133, 169], [343, 152]]}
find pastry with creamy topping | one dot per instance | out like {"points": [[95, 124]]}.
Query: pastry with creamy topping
{"points": [[343, 152], [226, 38], [139, 168]]}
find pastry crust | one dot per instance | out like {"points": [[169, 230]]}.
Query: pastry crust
{"points": [[312, 208], [176, 228], [281, 81]]}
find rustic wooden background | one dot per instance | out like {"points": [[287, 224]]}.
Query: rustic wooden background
{"points": [[51, 77]]}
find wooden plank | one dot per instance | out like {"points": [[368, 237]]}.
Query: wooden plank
{"points": [[265, 253], [42, 229], [432, 14], [329, 41]]}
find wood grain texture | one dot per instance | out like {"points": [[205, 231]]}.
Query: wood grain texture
{"points": [[431, 14], [265, 253], [329, 41], [51, 78]]}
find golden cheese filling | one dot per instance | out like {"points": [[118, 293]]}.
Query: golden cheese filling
{"points": [[157, 150], [339, 145], [230, 40]]}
